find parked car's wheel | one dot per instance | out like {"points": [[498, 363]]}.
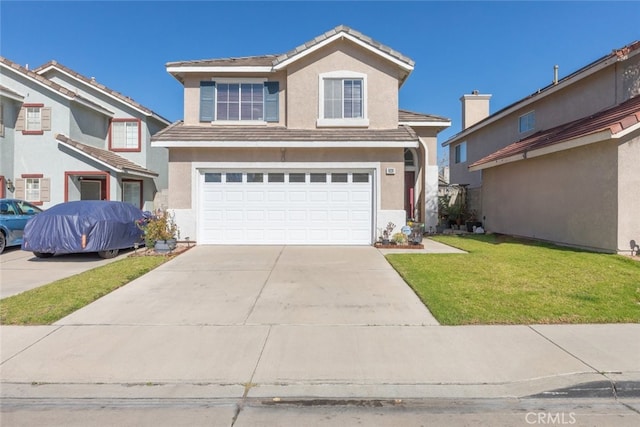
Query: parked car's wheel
{"points": [[109, 254], [43, 254], [3, 242]]}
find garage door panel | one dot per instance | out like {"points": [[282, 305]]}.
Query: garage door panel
{"points": [[284, 212]]}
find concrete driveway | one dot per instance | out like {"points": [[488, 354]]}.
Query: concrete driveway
{"points": [[264, 285], [21, 270]]}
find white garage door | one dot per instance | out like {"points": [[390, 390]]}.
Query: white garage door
{"points": [[285, 207]]}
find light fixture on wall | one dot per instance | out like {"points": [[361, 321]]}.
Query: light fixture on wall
{"points": [[10, 186]]}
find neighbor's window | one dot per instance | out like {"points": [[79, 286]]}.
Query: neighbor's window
{"points": [[461, 152], [33, 119], [132, 192], [32, 189], [527, 122], [125, 135]]}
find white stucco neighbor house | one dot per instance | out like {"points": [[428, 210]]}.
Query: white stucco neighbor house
{"points": [[306, 147], [66, 137]]}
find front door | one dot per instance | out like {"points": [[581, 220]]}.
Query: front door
{"points": [[409, 193]]}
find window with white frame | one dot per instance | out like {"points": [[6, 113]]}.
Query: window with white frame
{"points": [[239, 101], [343, 99], [527, 122], [33, 120], [460, 152], [125, 135], [32, 189], [132, 192]]}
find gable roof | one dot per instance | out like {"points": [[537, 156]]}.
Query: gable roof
{"points": [[273, 63], [111, 160], [180, 135], [614, 122], [411, 118], [617, 55], [51, 65], [52, 86]]}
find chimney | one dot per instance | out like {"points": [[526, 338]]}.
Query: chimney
{"points": [[475, 107]]}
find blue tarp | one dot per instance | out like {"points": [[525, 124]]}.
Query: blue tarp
{"points": [[105, 225]]}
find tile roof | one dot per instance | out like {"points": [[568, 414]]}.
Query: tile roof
{"points": [[411, 116], [179, 132], [245, 61], [112, 159], [274, 60], [99, 86], [69, 94], [615, 120]]}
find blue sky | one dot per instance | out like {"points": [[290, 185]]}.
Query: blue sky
{"points": [[507, 49]]}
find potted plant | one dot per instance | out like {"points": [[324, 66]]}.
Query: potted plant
{"points": [[160, 231], [387, 233]]}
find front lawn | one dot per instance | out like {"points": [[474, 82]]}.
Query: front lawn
{"points": [[505, 280], [49, 303]]}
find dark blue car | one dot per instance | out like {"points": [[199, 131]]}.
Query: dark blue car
{"points": [[98, 226], [14, 215]]}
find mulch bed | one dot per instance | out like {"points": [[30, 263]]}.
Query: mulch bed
{"points": [[414, 246], [180, 248]]}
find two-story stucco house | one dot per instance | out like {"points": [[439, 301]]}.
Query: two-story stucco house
{"points": [[308, 147], [66, 137], [563, 163]]}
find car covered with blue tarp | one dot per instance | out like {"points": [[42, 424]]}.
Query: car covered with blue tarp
{"points": [[98, 226]]}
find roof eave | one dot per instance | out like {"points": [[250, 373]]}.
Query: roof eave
{"points": [[434, 124], [14, 96], [581, 141], [285, 144]]}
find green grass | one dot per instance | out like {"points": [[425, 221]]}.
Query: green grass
{"points": [[49, 303], [505, 280]]}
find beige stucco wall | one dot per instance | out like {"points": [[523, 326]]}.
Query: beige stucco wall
{"points": [[303, 84], [629, 193], [568, 197], [181, 159], [192, 94], [602, 90]]}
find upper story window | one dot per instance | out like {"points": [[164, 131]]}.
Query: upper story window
{"points": [[124, 135], [527, 122], [343, 99], [460, 152], [239, 101], [34, 119]]}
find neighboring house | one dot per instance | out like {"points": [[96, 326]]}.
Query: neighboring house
{"points": [[308, 147], [562, 164], [65, 137]]}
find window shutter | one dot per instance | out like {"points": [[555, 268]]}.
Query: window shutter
{"points": [[20, 122], [207, 92], [19, 193], [46, 118], [271, 101], [45, 189]]}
